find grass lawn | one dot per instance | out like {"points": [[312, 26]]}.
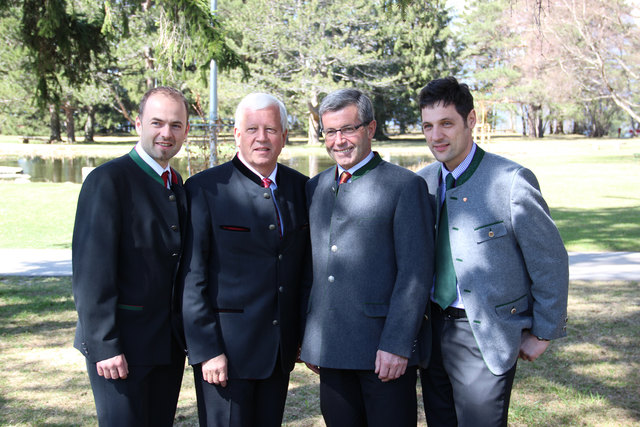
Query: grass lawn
{"points": [[590, 378], [591, 186]]}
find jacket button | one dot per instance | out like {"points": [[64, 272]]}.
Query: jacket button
{"points": [[513, 310], [491, 234], [175, 254], [172, 198], [331, 279], [281, 289], [174, 227], [266, 195], [272, 226], [280, 257], [334, 248], [275, 323]]}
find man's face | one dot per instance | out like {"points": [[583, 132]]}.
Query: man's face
{"points": [[448, 134], [163, 127], [260, 138], [347, 151]]}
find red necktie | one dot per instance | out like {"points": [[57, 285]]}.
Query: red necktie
{"points": [[165, 178], [266, 183], [344, 177]]}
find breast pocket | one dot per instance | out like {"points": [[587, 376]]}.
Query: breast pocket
{"points": [[491, 231]]}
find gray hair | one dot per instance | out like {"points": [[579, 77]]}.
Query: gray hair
{"points": [[342, 98], [259, 101]]}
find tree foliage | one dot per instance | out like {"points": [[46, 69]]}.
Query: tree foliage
{"points": [[313, 47]]}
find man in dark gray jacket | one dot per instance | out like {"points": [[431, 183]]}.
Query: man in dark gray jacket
{"points": [[372, 246]]}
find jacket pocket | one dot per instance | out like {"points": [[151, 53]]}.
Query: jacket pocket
{"points": [[235, 228], [513, 308], [376, 310], [130, 307], [490, 231]]}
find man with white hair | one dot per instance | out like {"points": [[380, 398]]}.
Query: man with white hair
{"points": [[247, 245]]}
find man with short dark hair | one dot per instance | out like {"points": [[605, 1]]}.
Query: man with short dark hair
{"points": [[501, 276], [372, 245], [127, 244], [246, 252]]}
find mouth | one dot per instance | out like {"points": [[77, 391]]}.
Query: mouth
{"points": [[440, 147], [164, 144], [344, 150]]}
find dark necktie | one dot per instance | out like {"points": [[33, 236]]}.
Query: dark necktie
{"points": [[266, 183], [344, 177], [445, 287], [165, 178]]}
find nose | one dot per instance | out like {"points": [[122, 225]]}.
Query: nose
{"points": [[262, 134], [165, 131], [436, 133]]}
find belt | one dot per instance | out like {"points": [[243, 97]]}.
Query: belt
{"points": [[450, 312]]}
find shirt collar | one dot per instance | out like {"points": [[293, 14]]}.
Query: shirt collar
{"points": [[353, 169], [152, 163], [272, 175], [459, 170]]}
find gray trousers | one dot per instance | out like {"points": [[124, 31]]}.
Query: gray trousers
{"points": [[457, 387]]}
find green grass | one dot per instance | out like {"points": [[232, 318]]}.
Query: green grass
{"points": [[591, 187], [590, 378], [37, 215]]}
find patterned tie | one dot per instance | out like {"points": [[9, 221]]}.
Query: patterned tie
{"points": [[266, 183], [165, 178], [445, 288], [344, 177]]}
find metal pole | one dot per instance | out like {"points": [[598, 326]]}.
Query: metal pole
{"points": [[213, 103]]}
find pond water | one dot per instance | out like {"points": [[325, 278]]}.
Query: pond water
{"points": [[70, 169]]}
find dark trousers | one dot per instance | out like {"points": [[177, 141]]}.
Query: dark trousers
{"points": [[457, 386], [243, 402], [353, 398], [147, 397]]}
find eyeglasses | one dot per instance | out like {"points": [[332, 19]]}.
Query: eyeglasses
{"points": [[330, 134]]}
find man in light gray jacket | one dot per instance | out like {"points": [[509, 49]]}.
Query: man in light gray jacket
{"points": [[501, 279], [372, 245]]}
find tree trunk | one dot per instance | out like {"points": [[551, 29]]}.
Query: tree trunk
{"points": [[148, 64], [69, 122], [313, 135], [532, 125], [541, 125], [54, 123], [89, 126]]}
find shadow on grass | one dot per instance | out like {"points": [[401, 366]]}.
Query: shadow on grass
{"points": [[607, 229], [594, 369]]}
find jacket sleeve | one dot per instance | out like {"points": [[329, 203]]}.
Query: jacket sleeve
{"points": [[202, 331], [95, 248], [544, 255]]}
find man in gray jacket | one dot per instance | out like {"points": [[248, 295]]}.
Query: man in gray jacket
{"points": [[372, 245], [501, 280]]}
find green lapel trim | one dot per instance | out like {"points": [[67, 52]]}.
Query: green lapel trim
{"points": [[368, 167], [144, 166], [475, 162]]}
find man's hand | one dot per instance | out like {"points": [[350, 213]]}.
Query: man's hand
{"points": [[390, 366], [531, 347], [214, 371], [113, 368]]}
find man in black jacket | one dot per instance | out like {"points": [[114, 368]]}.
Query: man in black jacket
{"points": [[127, 244]]}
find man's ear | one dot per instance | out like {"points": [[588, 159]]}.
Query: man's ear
{"points": [[471, 119], [138, 124]]}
